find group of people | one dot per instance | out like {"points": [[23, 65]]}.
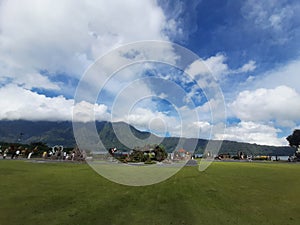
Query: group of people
{"points": [[58, 153], [15, 153], [4, 153]]}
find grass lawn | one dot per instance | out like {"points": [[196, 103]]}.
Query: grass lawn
{"points": [[226, 193]]}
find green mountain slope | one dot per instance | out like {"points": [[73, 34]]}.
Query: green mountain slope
{"points": [[61, 133]]}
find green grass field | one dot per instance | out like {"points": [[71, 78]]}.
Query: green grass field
{"points": [[226, 193]]}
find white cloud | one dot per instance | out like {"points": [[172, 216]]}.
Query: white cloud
{"points": [[253, 132], [184, 125], [273, 16], [270, 14], [217, 67], [204, 126], [118, 69], [281, 104], [287, 74], [248, 67], [214, 65], [84, 112], [271, 97], [66, 36], [19, 103], [199, 121], [35, 80], [154, 121], [186, 122]]}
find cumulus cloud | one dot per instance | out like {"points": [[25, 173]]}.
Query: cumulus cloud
{"points": [[248, 67], [126, 66], [157, 122], [84, 112], [19, 103], [287, 74], [216, 64], [271, 98], [35, 80], [185, 124], [66, 36], [217, 67], [253, 132], [281, 104]]}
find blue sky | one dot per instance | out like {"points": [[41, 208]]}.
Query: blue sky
{"points": [[251, 48]]}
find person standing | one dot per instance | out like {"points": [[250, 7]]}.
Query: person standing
{"points": [[17, 153], [44, 155], [5, 153]]}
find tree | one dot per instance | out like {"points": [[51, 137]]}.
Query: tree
{"points": [[39, 147], [148, 153], [294, 139], [160, 153]]}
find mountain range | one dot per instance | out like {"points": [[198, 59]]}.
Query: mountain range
{"points": [[61, 133]]}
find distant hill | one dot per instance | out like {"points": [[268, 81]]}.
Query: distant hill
{"points": [[61, 133]]}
